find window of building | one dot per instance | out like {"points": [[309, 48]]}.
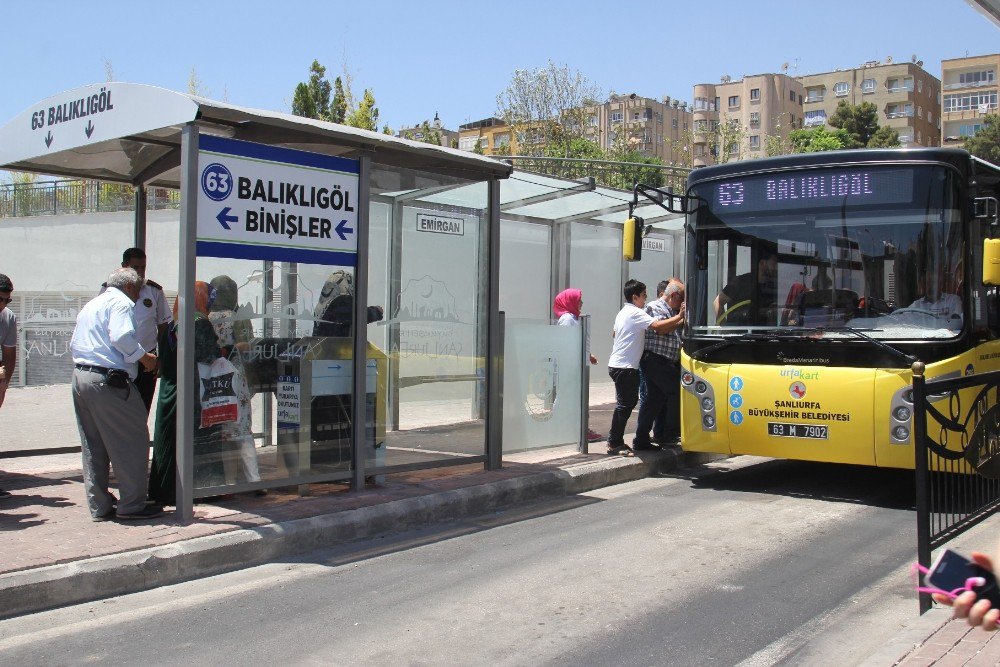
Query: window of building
{"points": [[705, 104], [593, 121], [981, 101], [976, 78], [841, 88], [754, 119], [717, 107], [734, 148], [815, 94], [920, 86], [734, 101], [754, 94], [930, 116], [636, 115], [867, 86], [754, 142], [899, 84], [501, 140], [468, 143], [616, 116], [814, 118], [648, 114], [906, 138], [791, 95], [969, 130], [484, 142], [701, 126], [904, 110], [920, 112], [673, 123]]}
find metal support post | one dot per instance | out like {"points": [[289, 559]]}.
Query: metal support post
{"points": [[359, 399], [187, 244], [584, 382], [923, 476], [495, 334], [140, 216]]}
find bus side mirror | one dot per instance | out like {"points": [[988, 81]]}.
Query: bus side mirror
{"points": [[986, 208], [632, 239], [991, 262]]}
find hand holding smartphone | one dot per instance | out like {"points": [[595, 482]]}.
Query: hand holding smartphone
{"points": [[951, 571]]}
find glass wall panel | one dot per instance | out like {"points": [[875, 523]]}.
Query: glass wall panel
{"points": [[542, 375], [435, 330], [657, 262], [596, 268], [279, 335], [525, 270]]}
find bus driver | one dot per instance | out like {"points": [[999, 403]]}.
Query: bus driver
{"points": [[741, 299]]}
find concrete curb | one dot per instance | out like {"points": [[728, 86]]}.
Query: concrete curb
{"points": [[44, 588]]}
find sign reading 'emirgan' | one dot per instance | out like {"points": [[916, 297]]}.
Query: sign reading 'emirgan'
{"points": [[266, 202]]}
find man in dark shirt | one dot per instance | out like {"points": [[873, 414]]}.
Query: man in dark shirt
{"points": [[746, 298]]}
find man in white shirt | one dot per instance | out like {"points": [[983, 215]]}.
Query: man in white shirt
{"points": [[939, 303], [152, 315], [623, 364], [109, 410]]}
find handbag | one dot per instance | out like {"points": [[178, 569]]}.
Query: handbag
{"points": [[219, 404]]}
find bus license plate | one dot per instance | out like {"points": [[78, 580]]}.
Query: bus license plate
{"points": [[783, 430]]}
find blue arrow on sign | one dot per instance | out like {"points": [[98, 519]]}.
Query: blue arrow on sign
{"points": [[343, 230], [224, 218]]}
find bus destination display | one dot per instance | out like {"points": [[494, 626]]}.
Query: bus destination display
{"points": [[815, 189]]}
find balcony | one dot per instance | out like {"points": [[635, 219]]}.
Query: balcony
{"points": [[814, 98], [976, 84], [899, 114]]}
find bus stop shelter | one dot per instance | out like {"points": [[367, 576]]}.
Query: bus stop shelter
{"points": [[294, 213]]}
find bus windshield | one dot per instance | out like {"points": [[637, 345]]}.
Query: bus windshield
{"points": [[877, 249]]}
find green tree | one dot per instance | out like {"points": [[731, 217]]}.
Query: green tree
{"points": [[303, 103], [319, 88], [428, 134], [546, 106], [985, 144], [577, 147], [860, 121], [195, 85], [817, 139], [365, 116], [338, 106], [884, 137]]}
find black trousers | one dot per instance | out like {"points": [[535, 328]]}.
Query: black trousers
{"points": [[145, 382], [663, 380], [626, 396]]}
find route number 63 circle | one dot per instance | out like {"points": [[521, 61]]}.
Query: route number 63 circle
{"points": [[216, 181]]}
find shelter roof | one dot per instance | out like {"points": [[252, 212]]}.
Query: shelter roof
{"points": [[131, 133]]}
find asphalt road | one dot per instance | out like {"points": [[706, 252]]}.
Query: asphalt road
{"points": [[744, 561]]}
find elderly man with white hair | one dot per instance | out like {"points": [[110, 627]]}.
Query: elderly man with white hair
{"points": [[109, 410]]}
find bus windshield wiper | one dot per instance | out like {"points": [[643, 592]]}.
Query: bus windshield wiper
{"points": [[896, 352], [727, 341]]}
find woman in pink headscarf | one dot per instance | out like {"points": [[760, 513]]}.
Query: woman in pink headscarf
{"points": [[567, 308]]}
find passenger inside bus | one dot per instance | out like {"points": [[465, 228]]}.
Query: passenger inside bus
{"points": [[749, 297]]}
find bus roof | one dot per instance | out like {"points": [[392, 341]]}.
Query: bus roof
{"points": [[956, 156]]}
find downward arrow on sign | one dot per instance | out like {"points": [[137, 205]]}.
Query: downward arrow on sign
{"points": [[343, 230], [89, 130]]}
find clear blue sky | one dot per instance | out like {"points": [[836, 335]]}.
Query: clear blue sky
{"points": [[454, 57]]}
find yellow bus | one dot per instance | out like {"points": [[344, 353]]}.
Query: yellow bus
{"points": [[814, 281]]}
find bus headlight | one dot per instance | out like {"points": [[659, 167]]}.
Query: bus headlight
{"points": [[687, 378], [700, 387], [707, 404], [901, 433], [708, 421], [901, 413], [908, 395]]}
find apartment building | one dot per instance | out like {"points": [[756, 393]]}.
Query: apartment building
{"points": [[449, 138], [753, 108], [492, 135], [908, 97], [655, 128], [969, 92]]}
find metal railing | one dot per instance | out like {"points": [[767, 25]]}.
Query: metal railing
{"points": [[956, 486], [608, 173], [62, 197]]}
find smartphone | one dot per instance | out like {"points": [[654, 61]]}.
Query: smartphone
{"points": [[951, 570]]}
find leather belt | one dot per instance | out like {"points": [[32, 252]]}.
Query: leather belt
{"points": [[94, 369]]}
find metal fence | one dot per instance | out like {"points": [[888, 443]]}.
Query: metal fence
{"points": [[956, 486], [55, 197], [621, 175]]}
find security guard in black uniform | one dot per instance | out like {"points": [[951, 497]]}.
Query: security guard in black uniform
{"points": [[152, 315]]}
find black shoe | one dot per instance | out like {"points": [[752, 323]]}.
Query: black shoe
{"points": [[147, 512], [260, 493], [620, 450], [104, 517], [645, 447]]}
